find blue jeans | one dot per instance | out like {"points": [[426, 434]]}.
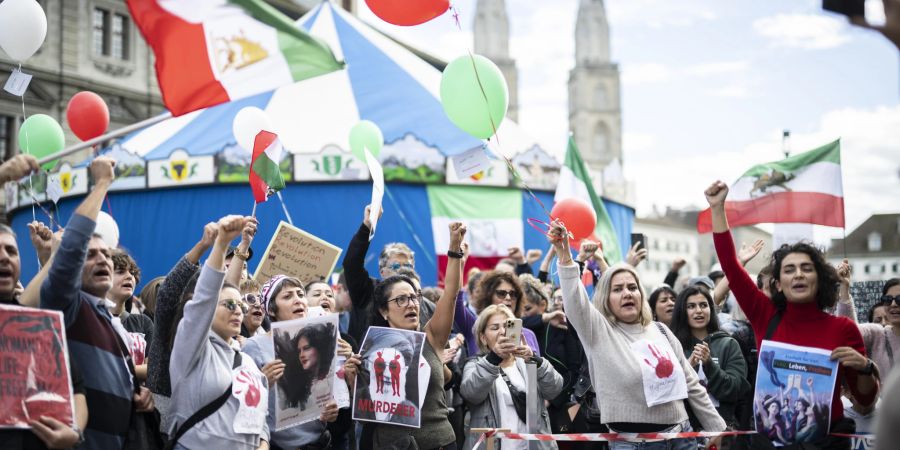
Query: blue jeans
{"points": [[673, 444]]}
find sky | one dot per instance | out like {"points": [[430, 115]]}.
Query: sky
{"points": [[707, 88]]}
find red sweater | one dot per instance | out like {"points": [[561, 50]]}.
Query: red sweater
{"points": [[801, 323]]}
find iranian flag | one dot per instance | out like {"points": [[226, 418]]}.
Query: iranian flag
{"points": [[214, 51], [493, 217], [575, 182], [805, 188], [265, 175]]}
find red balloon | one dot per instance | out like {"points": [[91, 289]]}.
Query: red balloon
{"points": [[577, 215], [87, 115], [408, 12]]}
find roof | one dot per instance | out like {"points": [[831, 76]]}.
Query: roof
{"points": [[857, 242]]}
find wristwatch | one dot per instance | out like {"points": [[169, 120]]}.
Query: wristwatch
{"points": [[455, 254], [243, 254], [80, 432], [869, 370]]}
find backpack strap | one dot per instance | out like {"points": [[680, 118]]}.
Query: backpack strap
{"points": [[206, 411], [773, 324]]}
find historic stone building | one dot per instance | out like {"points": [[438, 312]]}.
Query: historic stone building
{"points": [[492, 41]]}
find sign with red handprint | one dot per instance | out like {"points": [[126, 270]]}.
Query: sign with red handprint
{"points": [[249, 387], [663, 376]]}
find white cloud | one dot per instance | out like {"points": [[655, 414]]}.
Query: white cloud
{"points": [[643, 73], [638, 143], [804, 31], [869, 158], [717, 68], [658, 13], [732, 91]]}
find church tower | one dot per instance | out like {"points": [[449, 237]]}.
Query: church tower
{"points": [[595, 114], [492, 41]]}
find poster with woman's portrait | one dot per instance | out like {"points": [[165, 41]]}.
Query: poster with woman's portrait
{"points": [[389, 386], [308, 348], [794, 388]]}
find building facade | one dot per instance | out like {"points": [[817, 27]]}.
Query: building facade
{"points": [[873, 248], [491, 40]]}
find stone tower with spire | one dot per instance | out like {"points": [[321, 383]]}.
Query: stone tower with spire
{"points": [[492, 41], [595, 113]]}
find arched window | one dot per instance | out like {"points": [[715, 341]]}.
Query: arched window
{"points": [[600, 141], [601, 101]]}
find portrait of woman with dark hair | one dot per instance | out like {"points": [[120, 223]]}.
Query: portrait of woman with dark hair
{"points": [[308, 357]]}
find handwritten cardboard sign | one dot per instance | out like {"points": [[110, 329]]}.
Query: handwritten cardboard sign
{"points": [[296, 253], [866, 294]]}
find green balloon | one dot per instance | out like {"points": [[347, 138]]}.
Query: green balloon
{"points": [[474, 95], [40, 136], [366, 135]]}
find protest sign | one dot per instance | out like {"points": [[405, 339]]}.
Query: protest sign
{"points": [[308, 348], [296, 253], [377, 191], [389, 386], [794, 388], [34, 367], [866, 294]]}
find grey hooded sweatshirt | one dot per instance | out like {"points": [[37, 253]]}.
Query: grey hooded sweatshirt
{"points": [[201, 370]]}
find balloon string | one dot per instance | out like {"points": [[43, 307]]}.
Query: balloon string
{"points": [[456, 16], [37, 202], [27, 150]]}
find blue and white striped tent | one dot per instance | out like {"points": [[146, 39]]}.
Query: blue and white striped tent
{"points": [[183, 172]]}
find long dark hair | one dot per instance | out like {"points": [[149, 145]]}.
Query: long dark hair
{"points": [[382, 295], [296, 382], [827, 276], [654, 297], [186, 295], [490, 282], [680, 324]]}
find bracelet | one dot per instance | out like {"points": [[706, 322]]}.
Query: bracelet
{"points": [[245, 255], [455, 254]]}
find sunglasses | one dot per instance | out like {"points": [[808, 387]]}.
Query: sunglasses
{"points": [[397, 266], [252, 300], [887, 299], [233, 305], [404, 300], [503, 293]]}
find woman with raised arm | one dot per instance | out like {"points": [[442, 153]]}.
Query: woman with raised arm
{"points": [[882, 341], [397, 303], [802, 286], [205, 368], [637, 368]]}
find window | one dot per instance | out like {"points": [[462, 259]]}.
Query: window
{"points": [[6, 145], [874, 242], [867, 268], [111, 33], [894, 268], [600, 97], [600, 143]]}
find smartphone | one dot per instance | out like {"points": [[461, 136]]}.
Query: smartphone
{"points": [[639, 237], [849, 8], [514, 330]]}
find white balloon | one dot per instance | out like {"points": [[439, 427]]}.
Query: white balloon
{"points": [[248, 122], [23, 27], [108, 229]]}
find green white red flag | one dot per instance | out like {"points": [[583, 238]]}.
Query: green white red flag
{"points": [[575, 182], [213, 51], [805, 188], [265, 174]]}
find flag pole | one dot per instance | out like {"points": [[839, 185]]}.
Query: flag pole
{"points": [[253, 213], [112, 134]]}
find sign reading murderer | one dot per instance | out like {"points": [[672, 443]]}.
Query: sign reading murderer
{"points": [[34, 367], [296, 253], [392, 378], [865, 295]]}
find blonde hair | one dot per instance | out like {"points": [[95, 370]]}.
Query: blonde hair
{"points": [[604, 288], [482, 321]]}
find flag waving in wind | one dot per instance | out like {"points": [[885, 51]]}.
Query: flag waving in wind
{"points": [[265, 175], [805, 188], [575, 182], [214, 51]]}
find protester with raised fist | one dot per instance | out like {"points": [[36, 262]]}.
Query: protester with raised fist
{"points": [[802, 287], [636, 365]]}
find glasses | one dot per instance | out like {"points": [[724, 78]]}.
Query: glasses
{"points": [[252, 300], [404, 300], [232, 305], [503, 293], [887, 299], [396, 266]]}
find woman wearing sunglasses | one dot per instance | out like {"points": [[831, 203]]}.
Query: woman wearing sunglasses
{"points": [[882, 342], [204, 367], [495, 288], [255, 317]]}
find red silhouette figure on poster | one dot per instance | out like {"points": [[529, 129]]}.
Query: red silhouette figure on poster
{"points": [[394, 367], [664, 367], [379, 374]]}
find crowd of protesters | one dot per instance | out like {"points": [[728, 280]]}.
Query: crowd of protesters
{"points": [[168, 367]]}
